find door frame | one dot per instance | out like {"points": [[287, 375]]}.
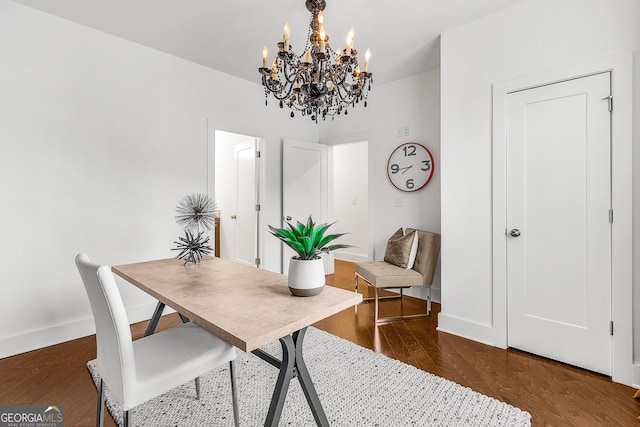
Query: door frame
{"points": [[620, 67], [212, 127]]}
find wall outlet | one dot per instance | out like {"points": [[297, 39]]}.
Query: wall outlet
{"points": [[398, 203], [402, 131]]}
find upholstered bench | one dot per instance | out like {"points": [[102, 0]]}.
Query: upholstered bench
{"points": [[387, 275]]}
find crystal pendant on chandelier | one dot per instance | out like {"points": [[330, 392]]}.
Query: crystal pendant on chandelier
{"points": [[321, 81]]}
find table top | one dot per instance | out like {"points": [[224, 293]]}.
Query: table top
{"points": [[246, 306]]}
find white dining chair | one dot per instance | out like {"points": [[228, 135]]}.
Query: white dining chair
{"points": [[138, 371]]}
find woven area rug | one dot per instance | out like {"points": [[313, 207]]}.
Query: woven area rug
{"points": [[357, 387]]}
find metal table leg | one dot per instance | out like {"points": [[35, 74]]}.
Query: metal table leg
{"points": [[153, 322], [292, 366]]}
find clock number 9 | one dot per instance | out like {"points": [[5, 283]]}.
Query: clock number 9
{"points": [[409, 184], [395, 168], [427, 164], [409, 150]]}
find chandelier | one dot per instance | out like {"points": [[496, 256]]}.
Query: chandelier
{"points": [[321, 81]]}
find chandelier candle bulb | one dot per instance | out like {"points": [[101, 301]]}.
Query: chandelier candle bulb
{"points": [[285, 36], [367, 56], [265, 53], [350, 37], [322, 39], [307, 57]]}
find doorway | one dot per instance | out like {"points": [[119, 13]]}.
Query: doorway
{"points": [[620, 66], [331, 182], [349, 198], [237, 193]]}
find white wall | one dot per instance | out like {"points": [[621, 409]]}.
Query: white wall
{"points": [[530, 37], [99, 139], [413, 102], [349, 199]]}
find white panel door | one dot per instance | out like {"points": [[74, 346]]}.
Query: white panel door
{"points": [[558, 201], [304, 188], [246, 217]]}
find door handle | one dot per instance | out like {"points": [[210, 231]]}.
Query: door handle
{"points": [[515, 233], [288, 218], [233, 216]]}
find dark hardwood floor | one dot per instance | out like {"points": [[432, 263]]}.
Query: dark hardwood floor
{"points": [[555, 394]]}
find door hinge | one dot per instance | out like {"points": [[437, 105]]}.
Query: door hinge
{"points": [[609, 99], [257, 262], [258, 154], [258, 208], [610, 216], [611, 327]]}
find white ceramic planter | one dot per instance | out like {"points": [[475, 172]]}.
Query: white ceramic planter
{"points": [[306, 277]]}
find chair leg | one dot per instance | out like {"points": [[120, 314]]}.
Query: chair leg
{"points": [[234, 394], [100, 409], [428, 300], [126, 419], [197, 388], [375, 310]]}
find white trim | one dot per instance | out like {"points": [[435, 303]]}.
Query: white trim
{"points": [[56, 334], [466, 329], [636, 376], [621, 66], [350, 257]]}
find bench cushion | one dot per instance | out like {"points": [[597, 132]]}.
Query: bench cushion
{"points": [[382, 274]]}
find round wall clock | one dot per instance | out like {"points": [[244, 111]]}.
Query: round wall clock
{"points": [[410, 166]]}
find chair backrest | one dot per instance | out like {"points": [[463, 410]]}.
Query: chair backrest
{"points": [[427, 255], [113, 335]]}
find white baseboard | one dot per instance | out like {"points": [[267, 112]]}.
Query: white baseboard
{"points": [[56, 334], [466, 329], [350, 257], [636, 375], [420, 293]]}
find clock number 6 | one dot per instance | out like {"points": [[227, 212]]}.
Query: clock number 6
{"points": [[427, 164], [410, 184]]}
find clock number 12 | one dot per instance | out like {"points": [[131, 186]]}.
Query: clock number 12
{"points": [[409, 150]]}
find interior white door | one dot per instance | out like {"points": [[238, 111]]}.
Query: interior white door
{"points": [[246, 216], [304, 188], [558, 221], [237, 193]]}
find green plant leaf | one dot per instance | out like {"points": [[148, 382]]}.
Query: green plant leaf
{"points": [[307, 240]]}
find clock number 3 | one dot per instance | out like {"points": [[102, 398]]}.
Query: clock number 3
{"points": [[427, 165]]}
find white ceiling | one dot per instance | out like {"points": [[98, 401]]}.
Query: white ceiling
{"points": [[229, 35]]}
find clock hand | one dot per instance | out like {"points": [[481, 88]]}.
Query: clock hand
{"points": [[405, 169]]}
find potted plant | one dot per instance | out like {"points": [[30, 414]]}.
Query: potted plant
{"points": [[306, 269]]}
